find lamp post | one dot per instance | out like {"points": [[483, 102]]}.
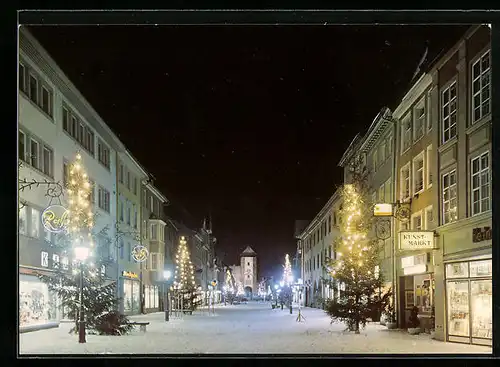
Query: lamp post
{"points": [[167, 274], [81, 254]]}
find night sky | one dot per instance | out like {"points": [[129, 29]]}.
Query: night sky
{"points": [[245, 123]]}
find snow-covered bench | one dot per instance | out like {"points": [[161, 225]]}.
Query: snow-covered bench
{"points": [[142, 325], [184, 311]]}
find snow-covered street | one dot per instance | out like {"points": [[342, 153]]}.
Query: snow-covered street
{"points": [[240, 329]]}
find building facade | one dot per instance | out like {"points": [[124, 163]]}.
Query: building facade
{"points": [[414, 187], [129, 177], [55, 123], [151, 274], [317, 244], [462, 100], [442, 160], [248, 269]]}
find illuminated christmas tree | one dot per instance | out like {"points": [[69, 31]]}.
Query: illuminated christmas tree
{"points": [[184, 285], [240, 291], [99, 301], [287, 272], [229, 287], [358, 258]]}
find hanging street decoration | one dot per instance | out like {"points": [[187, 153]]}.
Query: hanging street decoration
{"points": [[55, 218], [140, 253]]}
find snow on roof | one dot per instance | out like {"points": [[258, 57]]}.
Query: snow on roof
{"points": [[248, 251]]}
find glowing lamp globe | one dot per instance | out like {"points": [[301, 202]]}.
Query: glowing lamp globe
{"points": [[81, 253], [167, 274]]}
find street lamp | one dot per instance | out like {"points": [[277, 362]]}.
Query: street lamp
{"points": [[167, 274], [81, 254]]}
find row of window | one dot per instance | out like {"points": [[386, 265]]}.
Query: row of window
{"points": [[36, 89], [125, 212], [416, 176], [316, 262], [127, 178], [154, 203], [36, 153], [417, 121], [320, 232], [42, 96], [415, 124], [480, 189], [78, 130], [384, 194], [382, 152]]}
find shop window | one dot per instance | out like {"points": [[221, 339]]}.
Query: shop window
{"points": [[458, 308], [482, 308], [457, 270], [480, 269], [147, 291], [36, 305], [155, 297], [127, 295]]}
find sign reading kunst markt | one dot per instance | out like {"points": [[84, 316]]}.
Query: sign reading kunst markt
{"points": [[416, 240]]}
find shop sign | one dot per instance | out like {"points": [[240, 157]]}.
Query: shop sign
{"points": [[415, 269], [140, 253], [130, 274], [416, 240], [409, 261], [382, 210], [481, 234], [55, 218]]}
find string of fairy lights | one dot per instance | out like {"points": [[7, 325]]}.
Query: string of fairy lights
{"points": [[81, 218], [354, 235], [287, 271], [184, 271]]}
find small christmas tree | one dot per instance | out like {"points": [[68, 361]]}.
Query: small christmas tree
{"points": [[286, 292], [240, 291], [287, 272], [358, 259], [229, 287], [184, 286], [99, 301]]}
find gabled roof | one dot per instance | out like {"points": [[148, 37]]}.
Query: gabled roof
{"points": [[248, 251]]}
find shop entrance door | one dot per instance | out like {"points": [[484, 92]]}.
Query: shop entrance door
{"points": [[406, 300]]}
